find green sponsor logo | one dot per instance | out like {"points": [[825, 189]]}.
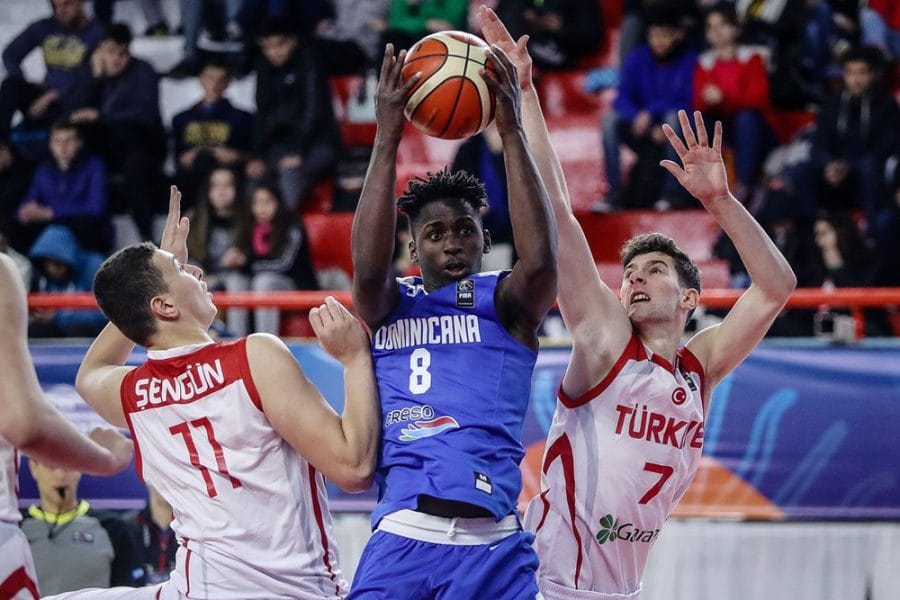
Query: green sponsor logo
{"points": [[611, 530]]}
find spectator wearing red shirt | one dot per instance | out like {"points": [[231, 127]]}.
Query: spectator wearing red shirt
{"points": [[731, 85]]}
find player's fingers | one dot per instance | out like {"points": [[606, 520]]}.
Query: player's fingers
{"points": [[337, 309], [717, 137], [315, 319], [386, 62], [676, 171], [410, 83], [676, 142], [686, 130], [397, 68], [702, 138]]}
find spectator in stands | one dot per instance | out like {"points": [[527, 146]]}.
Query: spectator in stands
{"points": [[75, 546], [408, 21], [15, 179], [120, 107], [856, 130], [212, 17], [656, 82], [482, 156], [296, 136], [274, 252], [213, 236], [350, 41], [731, 85], [62, 266], [560, 31], [211, 133], [887, 230], [67, 40], [153, 15], [632, 31], [155, 539], [70, 190], [880, 25]]}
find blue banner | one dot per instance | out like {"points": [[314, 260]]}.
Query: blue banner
{"points": [[799, 430]]}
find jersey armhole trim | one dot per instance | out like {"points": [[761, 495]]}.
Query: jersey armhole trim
{"points": [[634, 350], [244, 362], [691, 363]]}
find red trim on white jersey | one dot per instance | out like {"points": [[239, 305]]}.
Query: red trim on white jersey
{"points": [[187, 567], [690, 363], [320, 524], [138, 462], [634, 350], [248, 377], [18, 581]]}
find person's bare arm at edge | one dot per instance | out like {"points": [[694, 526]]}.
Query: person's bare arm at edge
{"points": [[599, 326], [722, 347], [100, 377], [528, 292], [27, 420], [374, 226], [343, 447]]}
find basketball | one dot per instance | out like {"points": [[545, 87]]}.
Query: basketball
{"points": [[451, 100]]}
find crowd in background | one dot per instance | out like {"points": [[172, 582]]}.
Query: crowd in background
{"points": [[89, 142]]}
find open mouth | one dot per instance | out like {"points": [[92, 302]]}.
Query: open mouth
{"points": [[456, 269], [638, 297]]}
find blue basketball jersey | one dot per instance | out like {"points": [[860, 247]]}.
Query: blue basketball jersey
{"points": [[454, 388]]}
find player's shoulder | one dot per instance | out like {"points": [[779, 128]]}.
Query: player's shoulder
{"points": [[267, 352]]}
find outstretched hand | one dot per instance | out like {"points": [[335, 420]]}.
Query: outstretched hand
{"points": [[702, 170], [390, 98], [120, 447], [175, 233], [339, 332], [496, 34]]}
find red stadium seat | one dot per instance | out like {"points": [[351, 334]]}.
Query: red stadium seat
{"points": [[329, 240]]}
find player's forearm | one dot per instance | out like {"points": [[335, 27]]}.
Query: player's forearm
{"points": [[375, 222], [361, 422], [50, 439], [533, 225], [110, 349], [768, 269]]}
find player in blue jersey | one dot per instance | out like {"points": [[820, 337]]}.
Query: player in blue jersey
{"points": [[454, 352]]}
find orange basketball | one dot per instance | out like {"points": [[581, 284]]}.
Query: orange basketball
{"points": [[451, 100]]}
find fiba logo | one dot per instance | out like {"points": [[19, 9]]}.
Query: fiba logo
{"points": [[679, 396]]}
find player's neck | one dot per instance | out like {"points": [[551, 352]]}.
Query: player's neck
{"points": [[663, 340], [174, 336]]}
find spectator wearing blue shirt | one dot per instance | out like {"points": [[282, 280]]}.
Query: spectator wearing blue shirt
{"points": [[67, 40], [120, 107], [656, 82], [210, 134], [61, 265], [70, 190]]}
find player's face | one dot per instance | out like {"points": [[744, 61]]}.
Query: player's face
{"points": [[448, 243], [186, 286], [650, 287]]}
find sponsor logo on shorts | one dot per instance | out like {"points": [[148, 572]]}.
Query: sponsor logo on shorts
{"points": [[613, 531]]}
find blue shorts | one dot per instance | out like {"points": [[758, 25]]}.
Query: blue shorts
{"points": [[396, 567]]}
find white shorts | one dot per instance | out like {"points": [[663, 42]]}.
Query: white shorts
{"points": [[554, 591], [163, 591], [17, 578]]}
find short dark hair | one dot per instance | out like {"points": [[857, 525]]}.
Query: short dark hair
{"points": [[124, 285], [280, 27], [442, 185], [65, 124], [688, 273], [119, 33], [216, 62], [725, 10], [871, 55]]}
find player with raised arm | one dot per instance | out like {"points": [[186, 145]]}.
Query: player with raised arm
{"points": [[30, 424], [231, 434], [454, 352], [627, 434]]}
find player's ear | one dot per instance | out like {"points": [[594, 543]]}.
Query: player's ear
{"points": [[690, 298], [413, 255], [162, 308], [487, 241]]}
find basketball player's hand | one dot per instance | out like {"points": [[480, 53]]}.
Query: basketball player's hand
{"points": [[504, 82], [495, 33], [175, 233], [703, 171], [339, 332], [392, 93], [120, 447]]}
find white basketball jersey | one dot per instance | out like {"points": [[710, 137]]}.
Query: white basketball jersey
{"points": [[618, 460], [251, 515], [9, 482]]}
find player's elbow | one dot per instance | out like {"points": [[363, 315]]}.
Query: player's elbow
{"points": [[355, 479]]}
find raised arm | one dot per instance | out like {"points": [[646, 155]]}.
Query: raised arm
{"points": [[27, 420], [100, 376], [593, 314], [374, 226], [529, 291], [343, 447], [722, 347]]}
